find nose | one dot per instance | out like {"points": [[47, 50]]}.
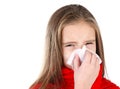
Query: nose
{"points": [[79, 46]]}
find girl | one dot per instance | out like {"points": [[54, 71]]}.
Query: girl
{"points": [[70, 28]]}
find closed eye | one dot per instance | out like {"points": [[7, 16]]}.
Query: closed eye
{"points": [[69, 45], [88, 43]]}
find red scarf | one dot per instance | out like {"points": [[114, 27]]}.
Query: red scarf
{"points": [[100, 82], [68, 75]]}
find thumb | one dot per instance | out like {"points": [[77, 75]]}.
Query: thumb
{"points": [[76, 62]]}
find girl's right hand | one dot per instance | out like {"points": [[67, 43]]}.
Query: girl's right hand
{"points": [[85, 73]]}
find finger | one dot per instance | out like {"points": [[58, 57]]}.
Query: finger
{"points": [[87, 57], [97, 61], [76, 62], [94, 59]]}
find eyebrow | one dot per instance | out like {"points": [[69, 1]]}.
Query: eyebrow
{"points": [[69, 42], [89, 41], [76, 42]]}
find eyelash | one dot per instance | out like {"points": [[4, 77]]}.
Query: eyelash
{"points": [[69, 45], [88, 43]]}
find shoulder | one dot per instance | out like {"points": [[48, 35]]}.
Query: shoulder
{"points": [[107, 84]]}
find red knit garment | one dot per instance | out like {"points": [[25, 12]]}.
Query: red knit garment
{"points": [[68, 75], [100, 82]]}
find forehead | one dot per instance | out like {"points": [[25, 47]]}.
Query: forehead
{"points": [[78, 30]]}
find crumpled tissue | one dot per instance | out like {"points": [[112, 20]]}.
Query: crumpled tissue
{"points": [[81, 53]]}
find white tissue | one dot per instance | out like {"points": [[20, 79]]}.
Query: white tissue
{"points": [[81, 53]]}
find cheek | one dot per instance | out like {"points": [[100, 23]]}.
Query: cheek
{"points": [[66, 55]]}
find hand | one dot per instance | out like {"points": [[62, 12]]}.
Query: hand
{"points": [[85, 73]]}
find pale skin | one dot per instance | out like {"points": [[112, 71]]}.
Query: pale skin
{"points": [[74, 36]]}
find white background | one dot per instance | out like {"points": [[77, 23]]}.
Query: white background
{"points": [[22, 31]]}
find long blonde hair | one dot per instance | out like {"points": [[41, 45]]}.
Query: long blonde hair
{"points": [[51, 73]]}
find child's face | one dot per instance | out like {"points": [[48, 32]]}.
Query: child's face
{"points": [[74, 36]]}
